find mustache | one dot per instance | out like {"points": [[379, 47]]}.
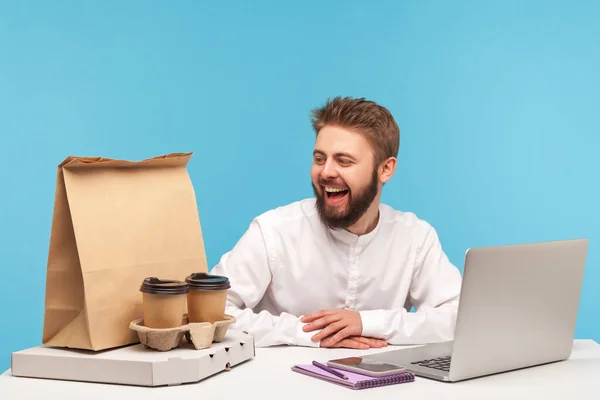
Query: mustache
{"points": [[331, 182]]}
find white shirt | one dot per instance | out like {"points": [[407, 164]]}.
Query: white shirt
{"points": [[288, 264]]}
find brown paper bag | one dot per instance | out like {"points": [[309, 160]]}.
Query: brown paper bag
{"points": [[116, 222]]}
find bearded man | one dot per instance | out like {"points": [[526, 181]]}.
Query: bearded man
{"points": [[343, 269]]}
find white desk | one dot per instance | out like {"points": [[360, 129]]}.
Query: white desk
{"points": [[269, 376]]}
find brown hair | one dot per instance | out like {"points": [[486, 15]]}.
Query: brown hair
{"points": [[375, 122]]}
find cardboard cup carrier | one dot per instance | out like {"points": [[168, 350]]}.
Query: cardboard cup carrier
{"points": [[165, 322]]}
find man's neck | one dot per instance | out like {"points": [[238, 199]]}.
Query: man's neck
{"points": [[367, 222]]}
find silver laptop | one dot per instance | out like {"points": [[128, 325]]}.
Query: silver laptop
{"points": [[518, 307]]}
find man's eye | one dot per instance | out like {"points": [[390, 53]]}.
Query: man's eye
{"points": [[344, 162], [319, 160]]}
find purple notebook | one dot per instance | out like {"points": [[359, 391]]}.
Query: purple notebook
{"points": [[354, 381]]}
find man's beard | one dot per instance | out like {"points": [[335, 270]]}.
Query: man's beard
{"points": [[358, 204]]}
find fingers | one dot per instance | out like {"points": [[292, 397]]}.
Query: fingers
{"points": [[353, 341], [371, 342], [321, 323], [330, 330], [341, 334], [351, 344], [316, 315], [376, 343]]}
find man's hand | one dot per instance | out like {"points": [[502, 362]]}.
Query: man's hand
{"points": [[336, 325], [355, 342]]}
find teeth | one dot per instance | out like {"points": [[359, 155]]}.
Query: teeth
{"points": [[334, 190]]}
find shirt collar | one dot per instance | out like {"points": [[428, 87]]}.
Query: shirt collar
{"points": [[354, 239]]}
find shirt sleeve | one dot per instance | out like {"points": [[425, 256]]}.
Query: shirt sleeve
{"points": [[434, 292], [247, 267]]}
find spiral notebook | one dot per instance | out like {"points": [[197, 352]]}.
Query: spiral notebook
{"points": [[355, 381]]}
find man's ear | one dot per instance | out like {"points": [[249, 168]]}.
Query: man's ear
{"points": [[387, 169]]}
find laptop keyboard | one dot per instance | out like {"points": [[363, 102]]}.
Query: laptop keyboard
{"points": [[441, 363]]}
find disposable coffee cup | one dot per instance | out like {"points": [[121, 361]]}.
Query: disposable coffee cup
{"points": [[207, 297], [163, 302]]}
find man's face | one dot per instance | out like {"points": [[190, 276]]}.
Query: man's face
{"points": [[344, 177]]}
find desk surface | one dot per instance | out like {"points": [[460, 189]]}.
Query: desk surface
{"points": [[269, 375]]}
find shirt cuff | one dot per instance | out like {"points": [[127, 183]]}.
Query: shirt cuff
{"points": [[373, 323], [303, 338]]}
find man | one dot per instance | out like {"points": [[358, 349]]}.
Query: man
{"points": [[342, 270]]}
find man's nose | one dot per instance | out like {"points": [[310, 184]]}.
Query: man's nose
{"points": [[329, 170]]}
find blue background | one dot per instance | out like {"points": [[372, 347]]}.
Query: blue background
{"points": [[497, 102]]}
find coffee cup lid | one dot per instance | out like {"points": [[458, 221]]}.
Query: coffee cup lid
{"points": [[204, 281], [153, 285]]}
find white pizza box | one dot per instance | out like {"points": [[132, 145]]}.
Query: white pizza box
{"points": [[136, 364]]}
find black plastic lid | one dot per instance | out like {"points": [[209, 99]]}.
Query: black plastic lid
{"points": [[154, 285], [204, 281]]}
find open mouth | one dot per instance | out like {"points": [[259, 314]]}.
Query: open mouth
{"points": [[335, 195]]}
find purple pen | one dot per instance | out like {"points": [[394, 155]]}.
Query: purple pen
{"points": [[330, 370]]}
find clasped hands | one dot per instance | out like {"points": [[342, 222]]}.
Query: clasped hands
{"points": [[339, 328]]}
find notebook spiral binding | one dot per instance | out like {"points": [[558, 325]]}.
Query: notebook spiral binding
{"points": [[387, 380]]}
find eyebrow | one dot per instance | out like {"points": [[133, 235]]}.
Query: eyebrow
{"points": [[340, 154]]}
